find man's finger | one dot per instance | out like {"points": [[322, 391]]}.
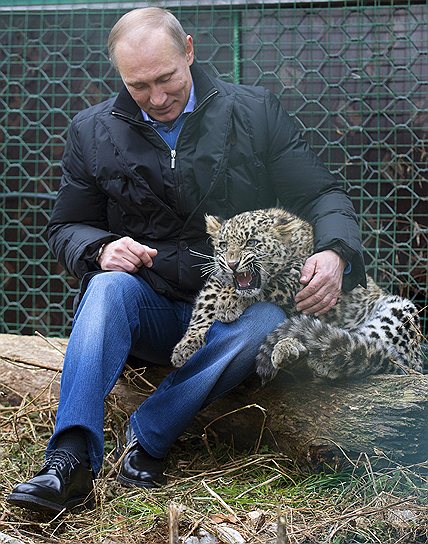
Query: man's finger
{"points": [[311, 299], [317, 286], [126, 255], [320, 307], [307, 272], [143, 253]]}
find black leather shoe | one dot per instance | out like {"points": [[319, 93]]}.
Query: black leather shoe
{"points": [[63, 482], [138, 467]]}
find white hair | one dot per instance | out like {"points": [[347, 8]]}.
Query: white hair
{"points": [[146, 19]]}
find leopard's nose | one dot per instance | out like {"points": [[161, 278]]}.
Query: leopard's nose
{"points": [[232, 264]]}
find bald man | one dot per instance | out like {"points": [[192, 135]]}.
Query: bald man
{"points": [[140, 171]]}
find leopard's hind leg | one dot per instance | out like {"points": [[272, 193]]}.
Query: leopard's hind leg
{"points": [[394, 326], [387, 342], [281, 349]]}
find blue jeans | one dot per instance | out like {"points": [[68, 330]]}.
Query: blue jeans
{"points": [[120, 314]]}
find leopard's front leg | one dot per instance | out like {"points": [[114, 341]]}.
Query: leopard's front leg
{"points": [[229, 305], [193, 340], [203, 316]]}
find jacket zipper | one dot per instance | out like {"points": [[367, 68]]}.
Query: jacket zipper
{"points": [[172, 152]]}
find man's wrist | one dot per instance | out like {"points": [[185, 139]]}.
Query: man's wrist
{"points": [[338, 249], [99, 254]]}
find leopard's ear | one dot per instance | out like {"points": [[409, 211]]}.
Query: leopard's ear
{"points": [[213, 223], [287, 225]]}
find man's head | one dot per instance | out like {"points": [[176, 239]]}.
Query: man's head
{"points": [[153, 55]]}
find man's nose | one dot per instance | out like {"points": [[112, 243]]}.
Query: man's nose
{"points": [[158, 97]]}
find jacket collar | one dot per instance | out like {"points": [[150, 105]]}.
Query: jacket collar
{"points": [[204, 86]]}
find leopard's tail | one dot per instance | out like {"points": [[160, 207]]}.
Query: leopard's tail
{"points": [[334, 353]]}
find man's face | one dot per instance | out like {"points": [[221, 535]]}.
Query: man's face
{"points": [[156, 74]]}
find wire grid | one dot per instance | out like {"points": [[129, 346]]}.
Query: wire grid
{"points": [[355, 77]]}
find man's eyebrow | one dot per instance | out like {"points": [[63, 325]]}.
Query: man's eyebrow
{"points": [[166, 74], [138, 82], [135, 83]]}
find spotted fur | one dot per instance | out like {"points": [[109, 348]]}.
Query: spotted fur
{"points": [[258, 256]]}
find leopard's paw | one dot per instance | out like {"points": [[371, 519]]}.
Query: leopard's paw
{"points": [[184, 350], [264, 368], [275, 355], [287, 351], [177, 357], [227, 314]]}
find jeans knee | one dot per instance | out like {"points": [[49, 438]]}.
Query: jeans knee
{"points": [[110, 290], [266, 315], [111, 283], [259, 320]]}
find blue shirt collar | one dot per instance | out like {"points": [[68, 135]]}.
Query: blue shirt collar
{"points": [[190, 106]]}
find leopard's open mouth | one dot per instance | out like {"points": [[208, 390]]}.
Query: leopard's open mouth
{"points": [[246, 280]]}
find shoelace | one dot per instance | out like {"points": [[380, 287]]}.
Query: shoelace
{"points": [[61, 459], [133, 441]]}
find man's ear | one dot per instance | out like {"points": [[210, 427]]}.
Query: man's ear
{"points": [[213, 224], [190, 52]]}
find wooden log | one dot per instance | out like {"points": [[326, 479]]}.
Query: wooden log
{"points": [[321, 423], [312, 423]]}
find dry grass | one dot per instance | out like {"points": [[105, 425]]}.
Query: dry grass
{"points": [[215, 488]]}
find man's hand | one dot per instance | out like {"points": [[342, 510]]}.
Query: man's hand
{"points": [[322, 277], [126, 255]]}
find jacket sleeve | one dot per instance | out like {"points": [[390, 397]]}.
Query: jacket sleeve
{"points": [[78, 225], [305, 187]]}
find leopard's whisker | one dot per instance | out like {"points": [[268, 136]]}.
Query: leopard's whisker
{"points": [[261, 268], [208, 270], [203, 255], [205, 267]]}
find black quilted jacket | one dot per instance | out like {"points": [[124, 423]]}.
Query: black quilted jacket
{"points": [[237, 151]]}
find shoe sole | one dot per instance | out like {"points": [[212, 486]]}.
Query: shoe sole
{"points": [[127, 482], [37, 504]]}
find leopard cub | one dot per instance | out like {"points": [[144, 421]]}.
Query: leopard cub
{"points": [[258, 256]]}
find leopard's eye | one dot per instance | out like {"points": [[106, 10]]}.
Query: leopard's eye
{"points": [[222, 245], [252, 242]]}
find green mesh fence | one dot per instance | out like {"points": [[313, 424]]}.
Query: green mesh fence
{"points": [[354, 75]]}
